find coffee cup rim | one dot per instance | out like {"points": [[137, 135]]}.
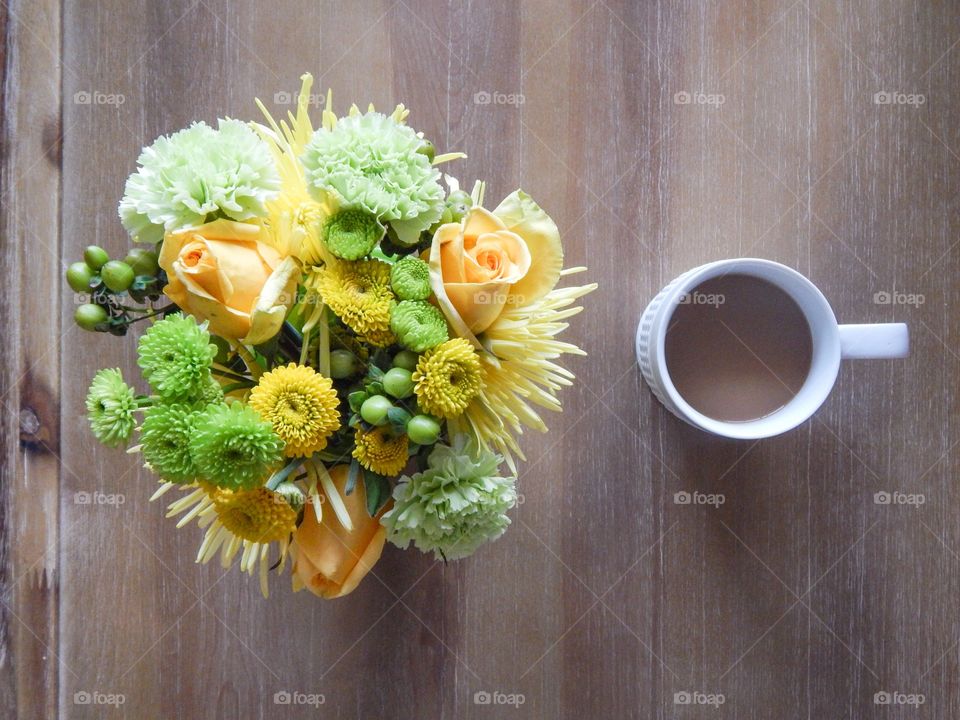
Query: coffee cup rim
{"points": [[824, 333]]}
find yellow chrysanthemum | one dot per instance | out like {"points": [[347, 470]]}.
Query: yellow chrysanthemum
{"points": [[247, 521], [447, 378], [520, 370], [302, 406], [381, 451], [359, 294], [258, 516]]}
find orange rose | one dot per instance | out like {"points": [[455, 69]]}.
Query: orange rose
{"points": [[222, 273], [331, 561], [491, 259]]}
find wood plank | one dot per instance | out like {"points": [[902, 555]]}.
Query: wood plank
{"points": [[31, 311]]}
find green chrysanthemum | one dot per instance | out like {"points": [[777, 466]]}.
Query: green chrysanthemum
{"points": [[212, 394], [175, 355], [410, 278], [165, 436], [418, 325], [455, 505], [371, 161], [110, 406], [198, 172], [234, 448], [352, 233]]}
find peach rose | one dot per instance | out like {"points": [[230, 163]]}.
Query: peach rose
{"points": [[331, 561], [491, 259], [222, 273]]}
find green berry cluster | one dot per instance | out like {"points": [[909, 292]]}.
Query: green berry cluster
{"points": [[387, 398], [109, 284]]}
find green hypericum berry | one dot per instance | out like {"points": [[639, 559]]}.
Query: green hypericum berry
{"points": [[374, 410], [175, 355], [459, 203], [410, 278], [398, 382], [143, 261], [423, 430], [79, 275], [343, 364], [95, 256], [406, 360], [110, 406], [165, 436], [90, 316], [427, 148], [117, 275], [352, 233], [233, 447], [418, 325]]}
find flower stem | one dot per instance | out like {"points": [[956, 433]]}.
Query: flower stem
{"points": [[251, 362]]}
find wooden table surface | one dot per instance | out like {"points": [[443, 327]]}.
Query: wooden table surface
{"points": [[660, 136]]}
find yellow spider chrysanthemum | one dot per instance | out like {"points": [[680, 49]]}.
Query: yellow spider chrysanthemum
{"points": [[302, 406], [359, 294], [381, 451], [248, 520], [520, 370], [294, 218], [447, 378]]}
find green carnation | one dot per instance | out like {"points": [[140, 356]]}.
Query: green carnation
{"points": [[165, 437], [455, 505], [371, 161], [110, 406], [175, 355], [418, 325], [196, 174], [352, 233], [410, 278], [233, 447]]}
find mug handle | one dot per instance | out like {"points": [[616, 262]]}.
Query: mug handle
{"points": [[878, 341]]}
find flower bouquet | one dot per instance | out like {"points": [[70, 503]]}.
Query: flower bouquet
{"points": [[339, 350]]}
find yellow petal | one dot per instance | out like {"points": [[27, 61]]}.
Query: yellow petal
{"points": [[275, 299], [521, 215]]}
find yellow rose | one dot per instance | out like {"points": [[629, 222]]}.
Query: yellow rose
{"points": [[222, 273], [511, 256], [331, 561]]}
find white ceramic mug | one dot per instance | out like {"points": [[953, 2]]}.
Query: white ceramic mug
{"points": [[831, 343]]}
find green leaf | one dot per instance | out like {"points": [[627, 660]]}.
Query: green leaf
{"points": [[371, 483], [354, 421], [375, 373], [398, 417], [352, 477], [356, 400]]}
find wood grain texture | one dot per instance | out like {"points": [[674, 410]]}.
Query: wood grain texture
{"points": [[659, 135]]}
